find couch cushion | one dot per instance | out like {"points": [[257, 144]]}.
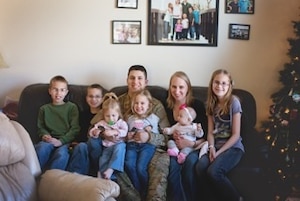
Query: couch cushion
{"points": [[11, 147], [76, 187]]}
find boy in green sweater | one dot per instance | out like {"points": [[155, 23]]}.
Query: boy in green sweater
{"points": [[58, 125]]}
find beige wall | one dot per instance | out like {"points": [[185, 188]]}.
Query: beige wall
{"points": [[42, 38]]}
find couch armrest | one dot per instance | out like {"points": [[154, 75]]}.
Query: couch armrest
{"points": [[30, 159], [60, 185]]}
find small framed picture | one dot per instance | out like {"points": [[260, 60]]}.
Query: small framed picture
{"points": [[126, 32], [239, 6], [127, 4], [239, 31]]}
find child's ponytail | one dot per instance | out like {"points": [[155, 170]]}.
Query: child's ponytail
{"points": [[111, 101]]}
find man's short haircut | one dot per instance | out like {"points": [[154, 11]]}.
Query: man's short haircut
{"points": [[138, 67]]}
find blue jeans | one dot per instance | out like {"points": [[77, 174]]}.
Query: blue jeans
{"points": [[95, 151], [197, 30], [79, 161], [166, 29], [137, 159], [113, 157], [85, 157], [181, 178], [51, 157], [192, 32], [214, 175]]}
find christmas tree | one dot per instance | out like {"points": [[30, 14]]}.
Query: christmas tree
{"points": [[282, 130]]}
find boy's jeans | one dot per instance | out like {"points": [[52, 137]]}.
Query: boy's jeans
{"points": [[51, 157], [79, 161]]}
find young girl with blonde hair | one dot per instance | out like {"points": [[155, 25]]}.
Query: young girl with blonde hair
{"points": [[138, 154], [112, 129], [225, 143]]}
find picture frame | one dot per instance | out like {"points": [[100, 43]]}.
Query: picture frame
{"points": [[239, 6], [162, 32], [133, 4], [126, 31], [239, 31]]}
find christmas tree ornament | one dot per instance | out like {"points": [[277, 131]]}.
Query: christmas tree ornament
{"points": [[296, 97]]}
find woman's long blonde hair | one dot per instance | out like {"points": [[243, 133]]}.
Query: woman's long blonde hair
{"points": [[212, 99], [189, 95]]}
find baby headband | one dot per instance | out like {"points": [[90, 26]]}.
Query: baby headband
{"points": [[184, 107]]}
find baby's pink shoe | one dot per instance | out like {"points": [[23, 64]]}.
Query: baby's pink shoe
{"points": [[173, 151], [181, 158]]}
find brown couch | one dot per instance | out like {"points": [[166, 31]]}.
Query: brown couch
{"points": [[248, 176]]}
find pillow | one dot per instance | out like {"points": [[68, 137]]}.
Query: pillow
{"points": [[11, 110], [11, 146]]}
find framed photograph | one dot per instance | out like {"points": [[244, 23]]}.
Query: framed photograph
{"points": [[126, 32], [239, 6], [169, 22], [239, 31], [127, 4]]}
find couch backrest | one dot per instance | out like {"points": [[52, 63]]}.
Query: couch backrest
{"points": [[33, 96]]}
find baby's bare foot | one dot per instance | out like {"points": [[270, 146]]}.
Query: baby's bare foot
{"points": [[107, 174]]}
